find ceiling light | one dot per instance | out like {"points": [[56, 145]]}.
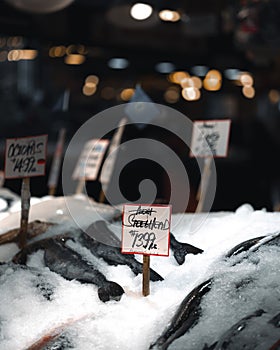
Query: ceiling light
{"points": [[118, 63], [165, 67], [140, 11], [232, 73], [74, 59], [191, 93], [213, 80], [246, 79], [42, 6], [248, 91], [127, 94], [177, 77], [169, 16], [200, 71]]}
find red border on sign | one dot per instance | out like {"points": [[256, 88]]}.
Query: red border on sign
{"points": [[149, 205], [25, 137], [191, 155]]}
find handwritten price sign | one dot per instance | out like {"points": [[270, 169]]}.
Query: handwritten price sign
{"points": [[25, 157], [210, 138], [90, 160], [146, 229]]}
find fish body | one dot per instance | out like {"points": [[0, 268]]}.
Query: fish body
{"points": [[70, 265], [185, 318], [99, 232]]}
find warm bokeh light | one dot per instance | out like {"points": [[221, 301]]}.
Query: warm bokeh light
{"points": [[17, 55], [248, 91], [92, 79], [177, 77], [2, 42], [274, 96], [89, 90], [192, 82], [3, 56], [172, 95], [108, 93], [141, 11], [15, 41], [246, 79], [169, 16], [213, 80], [126, 94], [74, 59], [191, 93]]}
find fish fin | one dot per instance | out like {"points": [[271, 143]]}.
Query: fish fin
{"points": [[185, 248]]}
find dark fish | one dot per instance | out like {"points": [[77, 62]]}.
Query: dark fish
{"points": [[254, 244], [180, 250], [69, 264], [189, 311], [275, 321], [227, 339], [243, 246], [42, 283], [185, 318], [99, 232]]}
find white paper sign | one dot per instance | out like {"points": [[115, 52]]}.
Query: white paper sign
{"points": [[145, 229], [90, 160], [210, 138], [25, 157], [109, 164]]}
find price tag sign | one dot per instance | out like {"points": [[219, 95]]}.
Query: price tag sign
{"points": [[90, 160], [145, 229], [210, 138], [25, 157]]}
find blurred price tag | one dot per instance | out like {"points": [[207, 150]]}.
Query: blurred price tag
{"points": [[90, 160], [210, 138]]}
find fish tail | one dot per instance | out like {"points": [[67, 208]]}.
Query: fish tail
{"points": [[184, 249]]}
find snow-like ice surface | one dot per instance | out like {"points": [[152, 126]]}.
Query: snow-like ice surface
{"points": [[35, 302]]}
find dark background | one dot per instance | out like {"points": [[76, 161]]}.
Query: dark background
{"points": [[244, 35]]}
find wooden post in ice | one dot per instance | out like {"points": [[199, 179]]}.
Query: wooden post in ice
{"points": [[146, 275], [54, 172], [80, 186], [146, 230], [108, 167], [203, 186], [24, 158], [210, 139], [25, 206]]}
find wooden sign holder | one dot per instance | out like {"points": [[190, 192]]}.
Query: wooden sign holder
{"points": [[204, 182]]}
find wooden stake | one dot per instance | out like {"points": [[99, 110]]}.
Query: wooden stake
{"points": [[203, 186], [25, 206], [52, 190], [146, 275], [80, 186], [55, 168], [101, 196]]}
